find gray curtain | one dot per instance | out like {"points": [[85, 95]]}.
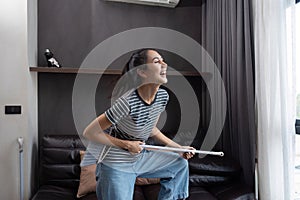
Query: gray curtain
{"points": [[226, 33]]}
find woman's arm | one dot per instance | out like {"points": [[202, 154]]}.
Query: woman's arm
{"points": [[160, 137], [94, 132]]}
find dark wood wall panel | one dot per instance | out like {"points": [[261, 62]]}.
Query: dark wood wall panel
{"points": [[71, 29]]}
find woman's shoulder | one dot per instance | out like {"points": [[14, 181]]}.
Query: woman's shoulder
{"points": [[125, 96], [162, 95], [162, 91]]}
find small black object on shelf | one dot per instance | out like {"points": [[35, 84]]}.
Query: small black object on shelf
{"points": [[51, 61]]}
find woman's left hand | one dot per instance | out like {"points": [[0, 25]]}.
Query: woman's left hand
{"points": [[188, 155]]}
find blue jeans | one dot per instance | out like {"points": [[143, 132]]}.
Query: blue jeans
{"points": [[115, 181]]}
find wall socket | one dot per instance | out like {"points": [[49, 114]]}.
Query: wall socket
{"points": [[13, 109]]}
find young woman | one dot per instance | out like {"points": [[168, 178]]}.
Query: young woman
{"points": [[133, 119]]}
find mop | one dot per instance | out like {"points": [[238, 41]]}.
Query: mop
{"points": [[161, 148]]}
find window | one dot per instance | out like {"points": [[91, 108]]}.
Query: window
{"points": [[298, 58], [297, 145]]}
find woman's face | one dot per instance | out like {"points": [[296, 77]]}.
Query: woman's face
{"points": [[156, 70]]}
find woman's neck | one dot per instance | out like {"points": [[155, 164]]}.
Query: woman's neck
{"points": [[147, 92]]}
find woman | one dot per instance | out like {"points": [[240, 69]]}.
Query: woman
{"points": [[133, 118]]}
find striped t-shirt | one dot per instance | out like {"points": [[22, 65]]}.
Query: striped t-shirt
{"points": [[133, 119]]}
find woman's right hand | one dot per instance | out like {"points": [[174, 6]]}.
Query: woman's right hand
{"points": [[134, 146]]}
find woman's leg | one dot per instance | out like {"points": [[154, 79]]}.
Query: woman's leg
{"points": [[171, 168], [177, 185], [113, 183]]}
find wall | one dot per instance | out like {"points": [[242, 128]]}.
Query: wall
{"points": [[17, 86], [71, 29], [32, 38]]}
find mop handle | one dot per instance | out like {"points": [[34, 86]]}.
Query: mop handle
{"points": [[152, 147]]}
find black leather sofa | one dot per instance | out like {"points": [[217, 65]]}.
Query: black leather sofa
{"points": [[211, 178]]}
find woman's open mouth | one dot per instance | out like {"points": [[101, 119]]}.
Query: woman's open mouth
{"points": [[163, 73]]}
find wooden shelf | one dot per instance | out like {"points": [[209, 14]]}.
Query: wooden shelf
{"points": [[70, 70]]}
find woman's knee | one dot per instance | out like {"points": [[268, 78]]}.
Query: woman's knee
{"points": [[183, 162]]}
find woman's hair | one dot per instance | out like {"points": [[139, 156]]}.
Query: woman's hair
{"points": [[130, 79], [138, 58]]}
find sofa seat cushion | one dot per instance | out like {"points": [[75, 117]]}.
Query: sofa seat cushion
{"points": [[138, 195], [233, 191], [50, 192], [197, 193], [208, 180], [214, 165], [151, 193]]}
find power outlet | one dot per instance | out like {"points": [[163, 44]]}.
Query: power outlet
{"points": [[13, 109]]}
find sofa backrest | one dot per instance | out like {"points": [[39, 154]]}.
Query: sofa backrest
{"points": [[59, 160]]}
